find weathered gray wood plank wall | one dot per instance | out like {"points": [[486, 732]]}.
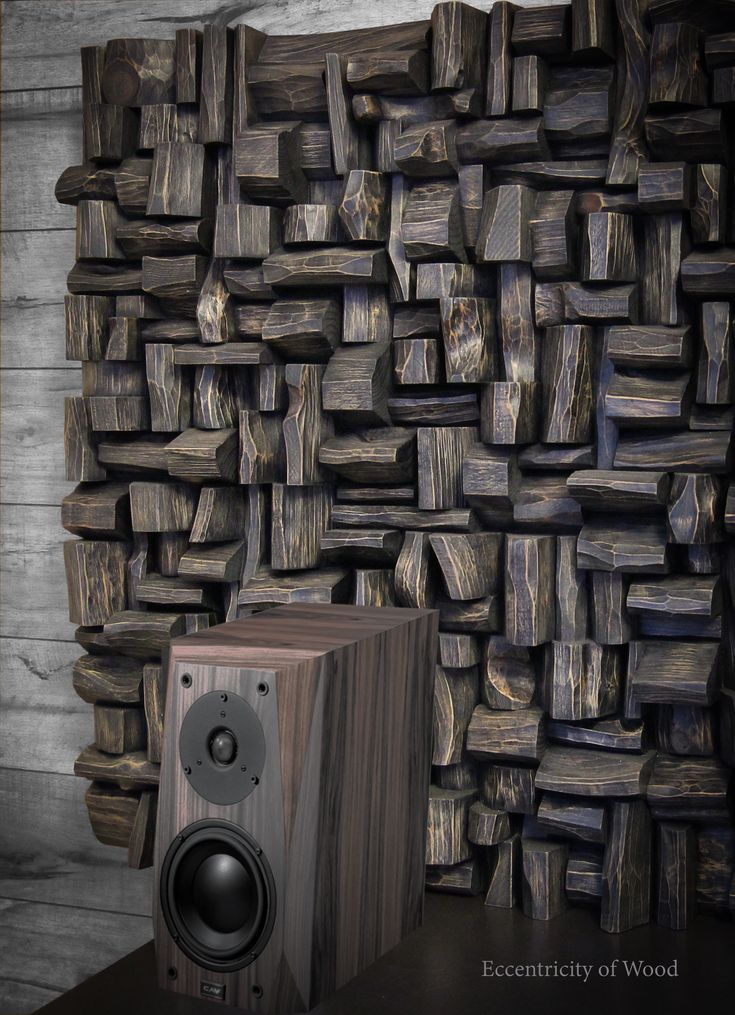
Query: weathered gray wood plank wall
{"points": [[68, 906]]}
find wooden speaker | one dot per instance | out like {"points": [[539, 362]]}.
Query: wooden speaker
{"points": [[292, 814]]}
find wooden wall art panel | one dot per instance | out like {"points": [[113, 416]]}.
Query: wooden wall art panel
{"points": [[432, 315]]}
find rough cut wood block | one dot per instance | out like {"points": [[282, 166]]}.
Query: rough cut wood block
{"points": [[202, 454], [715, 381], [510, 787], [505, 225], [708, 216], [583, 820], [118, 730], [87, 324], [455, 696], [427, 149], [266, 162], [582, 680], [311, 224], [363, 211], [678, 595], [112, 813], [138, 72], [643, 346], [446, 841], [458, 47], [458, 650], [366, 315], [543, 30], [300, 516], [529, 589], [181, 180], [629, 547], [95, 579], [665, 186], [441, 451], [246, 231], [499, 64], [504, 890], [676, 882], [327, 585], [689, 789], [608, 734], [677, 77], [329, 266], [97, 509], [432, 224], [686, 729], [130, 771], [416, 361], [567, 388], [694, 508], [467, 878], [544, 877], [509, 412], [583, 772], [675, 672], [399, 72], [507, 675], [469, 564], [415, 572], [608, 248], [108, 678], [355, 384], [486, 825], [626, 868], [583, 882], [507, 735]]}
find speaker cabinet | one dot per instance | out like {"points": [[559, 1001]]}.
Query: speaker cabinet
{"points": [[292, 812]]}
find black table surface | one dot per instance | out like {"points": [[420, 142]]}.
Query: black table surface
{"points": [[438, 970]]}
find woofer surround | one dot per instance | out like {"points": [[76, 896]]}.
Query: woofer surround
{"points": [[218, 895]]}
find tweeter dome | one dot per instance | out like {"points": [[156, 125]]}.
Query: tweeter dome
{"points": [[292, 814]]}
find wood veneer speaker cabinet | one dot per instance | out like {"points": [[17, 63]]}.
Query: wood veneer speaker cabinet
{"points": [[293, 801]]}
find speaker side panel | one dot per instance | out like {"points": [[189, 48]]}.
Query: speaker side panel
{"points": [[375, 771]]}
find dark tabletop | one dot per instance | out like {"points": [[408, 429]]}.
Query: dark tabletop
{"points": [[438, 970]]}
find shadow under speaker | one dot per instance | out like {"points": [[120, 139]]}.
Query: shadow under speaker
{"points": [[290, 842]]}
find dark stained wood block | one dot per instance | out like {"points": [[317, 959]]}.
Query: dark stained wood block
{"points": [[584, 821], [384, 455], [702, 451], [529, 84], [542, 30], [715, 381], [305, 331], [507, 675], [628, 547], [204, 454], [466, 878], [427, 149], [686, 729], [696, 135], [567, 391], [363, 211], [578, 114], [97, 224], [583, 881], [608, 248], [689, 789], [455, 696], [504, 889], [529, 589], [688, 595], [626, 868], [694, 508], [293, 91], [311, 224], [187, 57], [676, 884], [665, 186], [642, 346], [581, 680], [499, 63], [544, 877], [95, 579], [348, 148], [619, 490], [469, 563], [632, 401], [366, 315], [247, 231], [677, 77], [709, 207], [138, 71], [431, 226], [554, 234], [416, 361], [468, 331], [502, 141], [399, 72], [327, 585], [180, 181], [674, 672], [504, 230], [509, 412], [329, 266], [458, 46], [266, 162], [594, 773], [509, 787], [441, 451], [305, 426], [300, 516], [446, 841], [593, 31], [97, 509], [355, 384], [506, 735]]}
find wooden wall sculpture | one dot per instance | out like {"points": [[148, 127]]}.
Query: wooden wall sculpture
{"points": [[436, 315]]}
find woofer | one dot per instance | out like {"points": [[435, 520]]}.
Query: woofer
{"points": [[217, 895]]}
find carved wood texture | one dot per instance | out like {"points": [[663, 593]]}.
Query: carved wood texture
{"points": [[434, 316]]}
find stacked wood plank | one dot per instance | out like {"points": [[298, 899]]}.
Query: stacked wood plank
{"points": [[437, 316]]}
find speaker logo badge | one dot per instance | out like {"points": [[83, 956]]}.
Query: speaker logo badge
{"points": [[213, 990]]}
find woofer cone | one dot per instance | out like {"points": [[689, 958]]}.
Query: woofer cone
{"points": [[217, 895]]}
